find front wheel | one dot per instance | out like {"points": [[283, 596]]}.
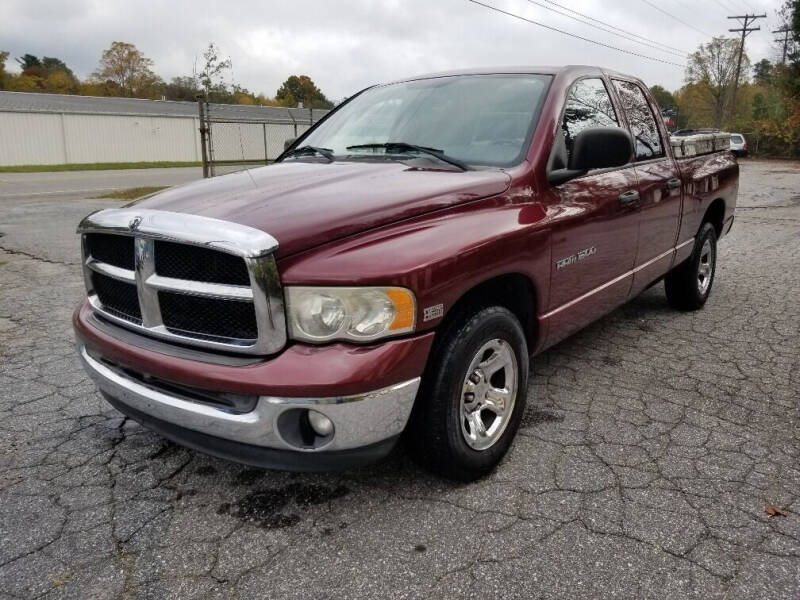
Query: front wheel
{"points": [[689, 285], [473, 395]]}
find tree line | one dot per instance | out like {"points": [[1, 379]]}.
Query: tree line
{"points": [[766, 105], [124, 71]]}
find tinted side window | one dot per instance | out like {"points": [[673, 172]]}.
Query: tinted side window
{"points": [[588, 105], [641, 119]]}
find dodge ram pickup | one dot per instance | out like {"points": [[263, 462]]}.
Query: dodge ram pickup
{"points": [[396, 268]]}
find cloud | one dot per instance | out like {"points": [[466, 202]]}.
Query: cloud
{"points": [[345, 45]]}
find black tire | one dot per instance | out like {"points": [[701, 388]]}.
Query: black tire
{"points": [[686, 287], [436, 433]]}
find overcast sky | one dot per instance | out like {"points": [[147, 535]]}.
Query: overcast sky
{"points": [[345, 45]]}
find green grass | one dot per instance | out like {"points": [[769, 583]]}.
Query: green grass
{"points": [[119, 165], [95, 166], [131, 193]]}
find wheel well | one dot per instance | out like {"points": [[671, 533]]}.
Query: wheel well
{"points": [[513, 291], [715, 215]]}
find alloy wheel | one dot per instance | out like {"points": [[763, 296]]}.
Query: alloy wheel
{"points": [[488, 394]]}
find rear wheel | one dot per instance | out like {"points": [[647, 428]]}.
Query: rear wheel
{"points": [[689, 285], [473, 395]]}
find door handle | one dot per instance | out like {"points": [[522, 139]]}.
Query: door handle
{"points": [[674, 183], [628, 198]]}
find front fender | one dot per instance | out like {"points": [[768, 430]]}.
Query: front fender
{"points": [[440, 256]]}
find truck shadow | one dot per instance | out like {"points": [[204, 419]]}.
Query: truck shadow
{"points": [[278, 500]]}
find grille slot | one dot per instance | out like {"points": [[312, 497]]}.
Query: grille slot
{"points": [[207, 318], [115, 250], [183, 261], [117, 297]]}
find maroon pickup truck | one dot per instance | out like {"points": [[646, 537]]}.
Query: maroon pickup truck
{"points": [[396, 268]]}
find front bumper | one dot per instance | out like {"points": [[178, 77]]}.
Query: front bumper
{"points": [[366, 425]]}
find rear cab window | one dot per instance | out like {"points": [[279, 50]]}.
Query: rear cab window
{"points": [[641, 119]]}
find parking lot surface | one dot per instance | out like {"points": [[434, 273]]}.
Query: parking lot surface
{"points": [[653, 443]]}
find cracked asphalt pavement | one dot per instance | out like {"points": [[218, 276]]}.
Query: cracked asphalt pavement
{"points": [[652, 445]]}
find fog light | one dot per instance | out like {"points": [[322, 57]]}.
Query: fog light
{"points": [[321, 424]]}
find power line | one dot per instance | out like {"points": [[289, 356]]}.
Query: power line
{"points": [[730, 5], [585, 16], [679, 20], [747, 5], [724, 7], [557, 30], [606, 30], [694, 9]]}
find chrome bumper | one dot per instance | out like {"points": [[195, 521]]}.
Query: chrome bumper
{"points": [[359, 420]]}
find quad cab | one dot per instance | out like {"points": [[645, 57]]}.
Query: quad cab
{"points": [[396, 269]]}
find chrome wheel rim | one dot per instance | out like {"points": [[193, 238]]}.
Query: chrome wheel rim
{"points": [[705, 267], [488, 394]]}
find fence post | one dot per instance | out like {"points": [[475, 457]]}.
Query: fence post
{"points": [[294, 121], [203, 131], [210, 134], [64, 139], [266, 154]]}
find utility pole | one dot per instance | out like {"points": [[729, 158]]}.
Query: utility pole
{"points": [[786, 39], [744, 21]]}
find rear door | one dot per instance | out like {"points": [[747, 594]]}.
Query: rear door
{"points": [[595, 221], [659, 185]]}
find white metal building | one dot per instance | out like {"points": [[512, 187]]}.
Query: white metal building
{"points": [[46, 129]]}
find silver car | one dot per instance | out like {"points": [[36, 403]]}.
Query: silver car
{"points": [[738, 144]]}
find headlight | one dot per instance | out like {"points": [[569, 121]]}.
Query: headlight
{"points": [[323, 314]]}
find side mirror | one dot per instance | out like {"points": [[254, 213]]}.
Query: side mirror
{"points": [[595, 148], [601, 148], [288, 143]]}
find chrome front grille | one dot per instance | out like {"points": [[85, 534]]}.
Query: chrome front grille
{"points": [[189, 279]]}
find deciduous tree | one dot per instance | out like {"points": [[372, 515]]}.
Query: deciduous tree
{"points": [[664, 97], [300, 88], [3, 74], [53, 65], [182, 88], [212, 75], [762, 71], [126, 71], [60, 82], [714, 65], [48, 74], [24, 83]]}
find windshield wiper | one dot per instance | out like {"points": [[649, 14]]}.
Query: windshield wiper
{"points": [[406, 147], [324, 152]]}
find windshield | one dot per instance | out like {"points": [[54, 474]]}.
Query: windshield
{"points": [[474, 119], [736, 139]]}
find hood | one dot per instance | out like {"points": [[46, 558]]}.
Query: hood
{"points": [[304, 204]]}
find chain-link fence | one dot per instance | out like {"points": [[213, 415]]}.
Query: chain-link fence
{"points": [[239, 135]]}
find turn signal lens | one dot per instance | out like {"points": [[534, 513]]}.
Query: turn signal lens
{"points": [[405, 308]]}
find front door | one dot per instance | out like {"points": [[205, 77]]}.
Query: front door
{"points": [[595, 223]]}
